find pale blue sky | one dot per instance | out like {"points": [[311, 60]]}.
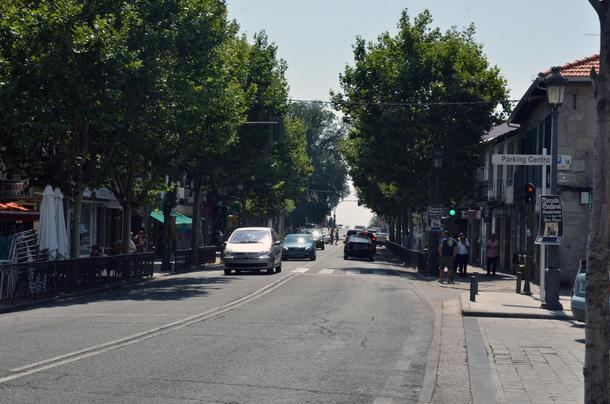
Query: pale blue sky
{"points": [[521, 37]]}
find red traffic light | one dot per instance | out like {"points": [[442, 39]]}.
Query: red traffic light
{"points": [[530, 193]]}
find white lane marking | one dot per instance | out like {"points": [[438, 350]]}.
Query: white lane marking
{"points": [[327, 271], [300, 270], [141, 336]]}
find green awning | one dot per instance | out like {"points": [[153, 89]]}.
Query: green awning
{"points": [[180, 218]]}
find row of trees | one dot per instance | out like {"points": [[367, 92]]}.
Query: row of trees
{"points": [[136, 95], [408, 96]]}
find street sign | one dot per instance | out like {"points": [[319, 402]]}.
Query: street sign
{"points": [[521, 159], [551, 220], [435, 218]]}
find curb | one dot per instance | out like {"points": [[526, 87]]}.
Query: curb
{"points": [[468, 312]]}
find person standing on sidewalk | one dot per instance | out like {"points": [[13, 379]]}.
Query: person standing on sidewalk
{"points": [[463, 249], [446, 251], [493, 250]]}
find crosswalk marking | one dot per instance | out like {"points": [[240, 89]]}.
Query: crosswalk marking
{"points": [[327, 271], [300, 270]]}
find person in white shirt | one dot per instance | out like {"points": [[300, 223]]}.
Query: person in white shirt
{"points": [[463, 249]]}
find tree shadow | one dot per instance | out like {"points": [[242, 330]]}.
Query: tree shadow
{"points": [[164, 289]]}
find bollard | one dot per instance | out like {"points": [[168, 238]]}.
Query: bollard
{"points": [[476, 284], [518, 282], [473, 288]]}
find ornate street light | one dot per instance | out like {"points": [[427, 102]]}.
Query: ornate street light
{"points": [[549, 280], [555, 87]]}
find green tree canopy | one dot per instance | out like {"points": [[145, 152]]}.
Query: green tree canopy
{"points": [[408, 95]]}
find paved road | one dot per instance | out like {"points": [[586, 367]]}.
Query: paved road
{"points": [[325, 331]]}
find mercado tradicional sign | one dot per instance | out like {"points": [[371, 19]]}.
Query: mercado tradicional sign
{"points": [[435, 218], [550, 230]]}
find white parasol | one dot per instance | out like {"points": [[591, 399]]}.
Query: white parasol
{"points": [[47, 234], [60, 222]]}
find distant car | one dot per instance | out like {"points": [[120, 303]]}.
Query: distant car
{"points": [[299, 246], [317, 236], [359, 245], [349, 233], [253, 249], [381, 237]]}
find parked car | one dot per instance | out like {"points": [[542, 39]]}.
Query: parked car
{"points": [[577, 300], [359, 245], [316, 234], [299, 246], [253, 249]]}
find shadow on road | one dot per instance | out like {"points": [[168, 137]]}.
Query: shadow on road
{"points": [[170, 289]]}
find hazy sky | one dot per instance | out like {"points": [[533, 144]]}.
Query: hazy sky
{"points": [[315, 37]]}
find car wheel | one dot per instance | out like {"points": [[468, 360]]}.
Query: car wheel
{"points": [[279, 268], [227, 271], [372, 259], [312, 258], [345, 257], [323, 246], [284, 258], [270, 271]]}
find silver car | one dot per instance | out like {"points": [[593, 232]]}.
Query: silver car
{"points": [[253, 249]]}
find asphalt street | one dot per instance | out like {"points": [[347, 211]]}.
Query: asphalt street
{"points": [[329, 330]]}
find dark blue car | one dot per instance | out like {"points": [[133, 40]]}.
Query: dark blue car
{"points": [[299, 246]]}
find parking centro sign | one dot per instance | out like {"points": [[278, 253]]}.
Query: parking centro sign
{"points": [[521, 159]]}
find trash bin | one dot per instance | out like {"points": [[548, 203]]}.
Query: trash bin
{"points": [[552, 277]]}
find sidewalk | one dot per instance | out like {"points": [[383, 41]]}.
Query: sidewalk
{"points": [[518, 352]]}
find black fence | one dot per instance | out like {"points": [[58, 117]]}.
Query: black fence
{"points": [[412, 258], [184, 259], [51, 278]]}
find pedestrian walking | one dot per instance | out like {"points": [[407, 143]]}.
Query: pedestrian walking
{"points": [[140, 241], [493, 251], [336, 236], [463, 250], [446, 251]]}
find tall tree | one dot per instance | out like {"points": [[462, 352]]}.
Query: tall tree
{"points": [[327, 184], [408, 95], [596, 370], [62, 67]]}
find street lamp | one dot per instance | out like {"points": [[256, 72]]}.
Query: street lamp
{"points": [[555, 90], [433, 236]]}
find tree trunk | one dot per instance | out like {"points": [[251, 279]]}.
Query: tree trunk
{"points": [[596, 329], [76, 219], [195, 240], [126, 229]]}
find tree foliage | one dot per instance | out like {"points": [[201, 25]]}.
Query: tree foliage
{"points": [[327, 184], [410, 94]]}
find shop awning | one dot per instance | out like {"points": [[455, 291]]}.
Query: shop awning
{"points": [[180, 218], [17, 211]]}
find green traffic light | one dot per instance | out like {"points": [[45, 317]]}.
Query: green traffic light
{"points": [[451, 212]]}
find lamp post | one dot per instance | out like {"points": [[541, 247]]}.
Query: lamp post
{"points": [[433, 236], [555, 89]]}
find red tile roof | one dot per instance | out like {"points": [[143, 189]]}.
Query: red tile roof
{"points": [[577, 68]]}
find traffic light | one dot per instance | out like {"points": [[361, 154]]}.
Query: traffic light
{"points": [[530, 193], [452, 211]]}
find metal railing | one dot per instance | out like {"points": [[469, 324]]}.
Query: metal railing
{"points": [[28, 280], [184, 258], [412, 258]]}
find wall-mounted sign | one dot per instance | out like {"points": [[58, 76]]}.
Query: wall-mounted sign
{"points": [[564, 162], [551, 220]]}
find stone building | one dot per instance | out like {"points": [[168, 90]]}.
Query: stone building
{"points": [[502, 186]]}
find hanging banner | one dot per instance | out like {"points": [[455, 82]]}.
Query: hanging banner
{"points": [[550, 231], [435, 218]]}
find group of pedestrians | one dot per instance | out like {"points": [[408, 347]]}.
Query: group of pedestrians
{"points": [[453, 256]]}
